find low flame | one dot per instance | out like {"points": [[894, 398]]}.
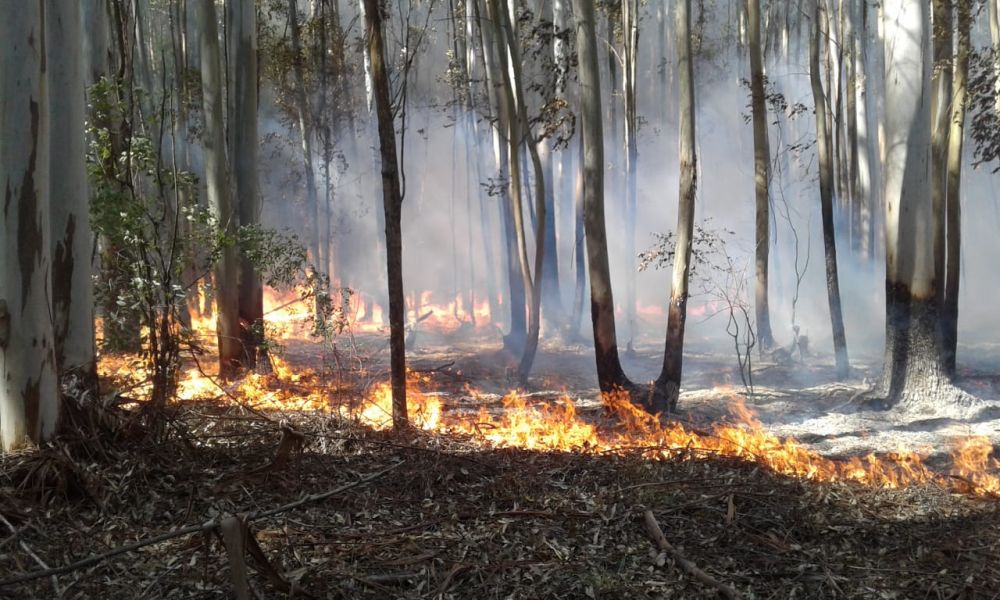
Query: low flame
{"points": [[558, 427]]}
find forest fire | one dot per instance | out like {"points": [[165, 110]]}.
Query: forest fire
{"points": [[558, 426]]}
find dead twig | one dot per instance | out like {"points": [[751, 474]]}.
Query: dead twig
{"points": [[24, 546], [654, 531], [207, 526]]}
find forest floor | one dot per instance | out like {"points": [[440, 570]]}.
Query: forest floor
{"points": [[448, 515]]}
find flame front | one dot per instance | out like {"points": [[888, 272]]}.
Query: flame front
{"points": [[557, 426]]}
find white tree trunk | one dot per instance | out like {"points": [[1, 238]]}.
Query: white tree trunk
{"points": [[72, 238], [912, 372], [28, 391]]}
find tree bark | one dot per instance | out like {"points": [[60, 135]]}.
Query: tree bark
{"points": [[669, 381], [29, 405], [220, 198], [392, 200], [949, 317], [912, 371], [941, 113], [866, 166], [630, 31], [826, 197], [242, 45], [305, 128], [762, 176], [610, 375], [72, 238], [515, 339]]}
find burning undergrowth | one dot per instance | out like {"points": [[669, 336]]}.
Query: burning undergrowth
{"points": [[556, 424], [464, 516]]}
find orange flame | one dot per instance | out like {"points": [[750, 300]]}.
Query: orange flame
{"points": [[557, 426]]}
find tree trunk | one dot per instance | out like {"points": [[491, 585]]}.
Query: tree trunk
{"points": [[220, 198], [242, 39], [72, 238], [949, 317], [579, 242], [912, 372], [851, 106], [866, 166], [630, 31], [826, 197], [669, 381], [520, 133], [610, 375], [29, 392], [393, 201], [941, 113], [305, 128], [515, 339], [762, 177]]}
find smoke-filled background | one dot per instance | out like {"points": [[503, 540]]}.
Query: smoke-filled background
{"points": [[452, 224]]}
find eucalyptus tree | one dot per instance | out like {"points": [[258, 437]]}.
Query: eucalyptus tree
{"points": [[242, 145], [953, 211], [219, 192], [824, 146], [762, 176], [72, 237], [392, 199], [610, 375], [669, 380], [29, 392], [913, 371]]}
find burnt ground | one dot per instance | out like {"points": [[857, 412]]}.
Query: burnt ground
{"points": [[457, 518], [800, 397]]}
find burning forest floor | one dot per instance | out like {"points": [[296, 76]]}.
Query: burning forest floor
{"points": [[501, 495]]}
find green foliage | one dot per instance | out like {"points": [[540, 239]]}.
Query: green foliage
{"points": [[157, 242], [984, 120]]}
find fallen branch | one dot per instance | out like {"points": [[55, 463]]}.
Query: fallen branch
{"points": [[435, 369], [654, 531], [207, 526]]}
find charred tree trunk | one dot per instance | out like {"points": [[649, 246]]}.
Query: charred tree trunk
{"points": [[393, 201], [826, 197], [913, 372], [610, 375], [220, 198], [762, 177], [669, 382], [242, 46]]}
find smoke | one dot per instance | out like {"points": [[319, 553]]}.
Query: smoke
{"points": [[450, 226]]}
